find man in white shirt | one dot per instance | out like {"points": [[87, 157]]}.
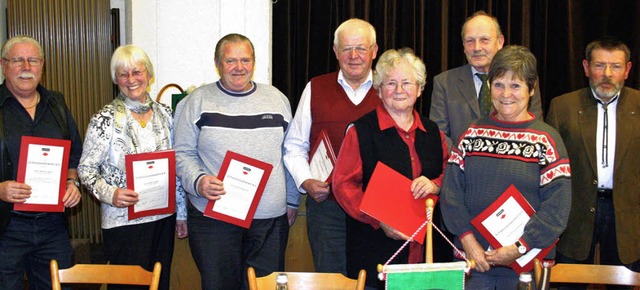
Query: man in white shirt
{"points": [[329, 103], [601, 128]]}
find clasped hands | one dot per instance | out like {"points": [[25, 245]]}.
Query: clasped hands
{"points": [[484, 260]]}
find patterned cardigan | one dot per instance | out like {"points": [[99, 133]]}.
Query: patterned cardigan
{"points": [[110, 136]]}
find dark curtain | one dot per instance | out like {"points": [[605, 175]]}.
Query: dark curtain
{"points": [[555, 31]]}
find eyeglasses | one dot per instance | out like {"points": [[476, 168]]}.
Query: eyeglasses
{"points": [[616, 67], [361, 50], [19, 61], [406, 86], [135, 73]]}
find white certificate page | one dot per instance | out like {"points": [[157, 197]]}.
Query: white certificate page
{"points": [[320, 162], [42, 173], [151, 182], [241, 183], [507, 224]]}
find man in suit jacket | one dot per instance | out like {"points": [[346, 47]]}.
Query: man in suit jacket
{"points": [[600, 126], [454, 100]]}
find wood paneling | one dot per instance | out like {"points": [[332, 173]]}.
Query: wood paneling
{"points": [[298, 256]]}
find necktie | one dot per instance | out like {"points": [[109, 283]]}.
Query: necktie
{"points": [[484, 97], [605, 131]]}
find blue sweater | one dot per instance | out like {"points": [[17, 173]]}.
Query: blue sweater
{"points": [[491, 156]]}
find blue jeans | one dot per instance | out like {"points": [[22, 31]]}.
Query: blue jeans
{"points": [[327, 231], [604, 233], [223, 251], [28, 245]]}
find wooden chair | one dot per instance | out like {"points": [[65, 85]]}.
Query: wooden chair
{"points": [[587, 274], [105, 274], [307, 281]]}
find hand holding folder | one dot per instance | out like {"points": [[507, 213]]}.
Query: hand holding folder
{"points": [[388, 199]]}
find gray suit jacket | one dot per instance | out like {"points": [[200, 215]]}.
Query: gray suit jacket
{"points": [[575, 116], [454, 102]]}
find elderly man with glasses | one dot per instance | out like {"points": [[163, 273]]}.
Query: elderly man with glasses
{"points": [[329, 102], [29, 240]]}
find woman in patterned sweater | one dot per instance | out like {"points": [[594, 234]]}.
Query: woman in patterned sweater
{"points": [[510, 147]]}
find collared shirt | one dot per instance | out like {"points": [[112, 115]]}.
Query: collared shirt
{"points": [[477, 82], [297, 143], [605, 173]]}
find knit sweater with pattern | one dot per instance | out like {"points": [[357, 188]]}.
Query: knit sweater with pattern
{"points": [[491, 156]]}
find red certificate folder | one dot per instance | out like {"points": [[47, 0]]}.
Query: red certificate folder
{"points": [[246, 169], [151, 160], [388, 199], [47, 144], [495, 208], [324, 141]]}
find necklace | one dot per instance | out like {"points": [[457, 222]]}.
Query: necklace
{"points": [[140, 119], [34, 105]]}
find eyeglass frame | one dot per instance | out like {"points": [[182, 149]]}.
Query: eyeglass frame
{"points": [[20, 61], [601, 66], [393, 86], [360, 50], [135, 73]]}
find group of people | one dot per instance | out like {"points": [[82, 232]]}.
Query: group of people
{"points": [[484, 134]]}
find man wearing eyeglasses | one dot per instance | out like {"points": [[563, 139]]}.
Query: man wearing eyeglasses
{"points": [[30, 240], [330, 102], [600, 126], [460, 95]]}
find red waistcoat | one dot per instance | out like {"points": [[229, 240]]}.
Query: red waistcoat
{"points": [[332, 110]]}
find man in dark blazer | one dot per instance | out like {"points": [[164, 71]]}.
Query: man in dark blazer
{"points": [[600, 126], [454, 100]]}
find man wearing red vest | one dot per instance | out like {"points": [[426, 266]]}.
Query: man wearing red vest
{"points": [[330, 102]]}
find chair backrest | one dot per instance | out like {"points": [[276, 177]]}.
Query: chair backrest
{"points": [[589, 274], [307, 281], [105, 274]]}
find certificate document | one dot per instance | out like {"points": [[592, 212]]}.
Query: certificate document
{"points": [[322, 159], [244, 180], [43, 165], [503, 222], [153, 176]]}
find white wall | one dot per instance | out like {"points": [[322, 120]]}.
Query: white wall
{"points": [[180, 36]]}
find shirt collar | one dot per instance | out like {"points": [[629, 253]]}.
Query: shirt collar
{"points": [[344, 82], [474, 71], [612, 100], [385, 121]]}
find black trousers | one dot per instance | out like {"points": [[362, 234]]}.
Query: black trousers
{"points": [[142, 244]]}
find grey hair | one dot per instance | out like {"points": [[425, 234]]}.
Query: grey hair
{"points": [[391, 59], [21, 39]]}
